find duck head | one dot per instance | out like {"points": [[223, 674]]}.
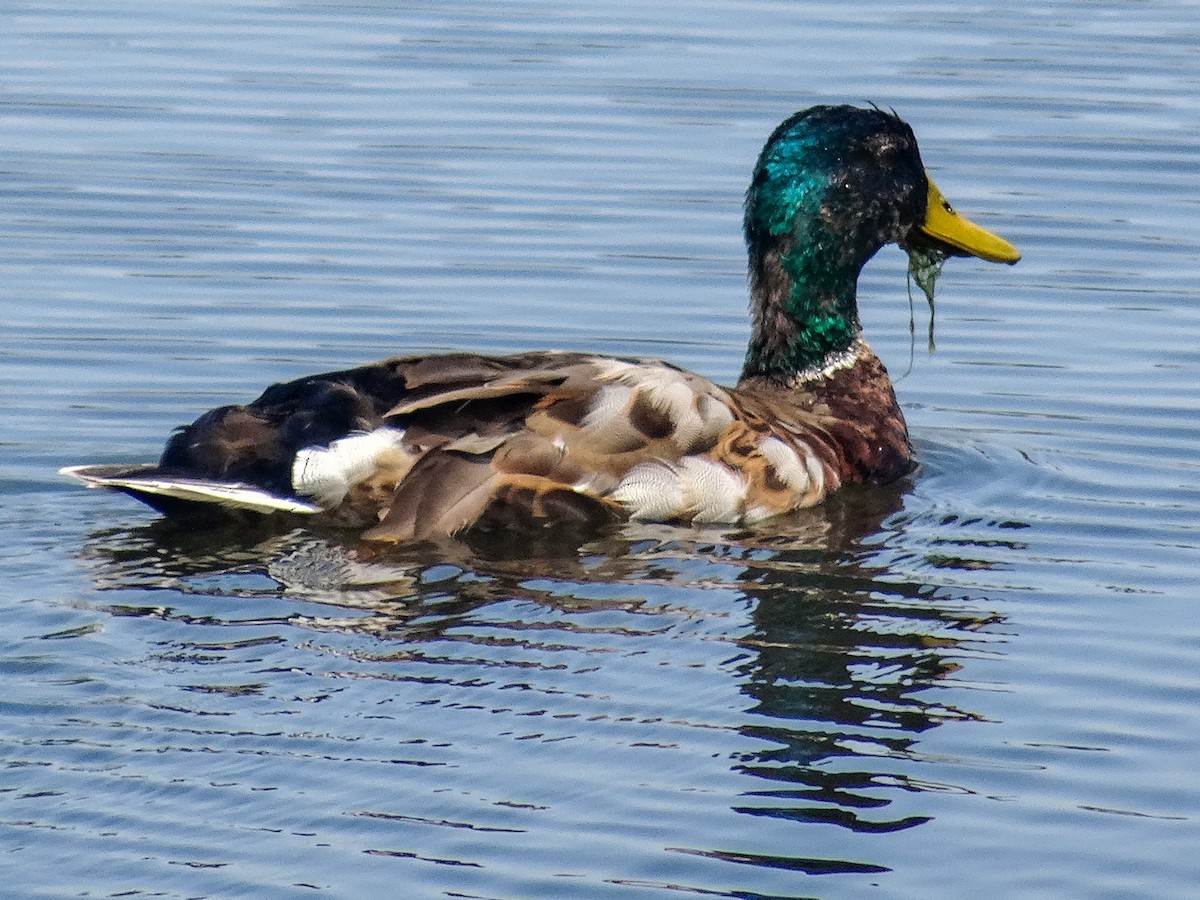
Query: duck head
{"points": [[832, 185]]}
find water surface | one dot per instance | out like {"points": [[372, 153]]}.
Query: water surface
{"points": [[981, 681]]}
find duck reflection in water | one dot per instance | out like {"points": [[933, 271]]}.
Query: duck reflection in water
{"points": [[844, 666], [837, 658]]}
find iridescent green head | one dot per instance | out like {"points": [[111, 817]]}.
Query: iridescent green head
{"points": [[832, 185]]}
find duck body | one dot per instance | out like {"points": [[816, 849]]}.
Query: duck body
{"points": [[416, 447]]}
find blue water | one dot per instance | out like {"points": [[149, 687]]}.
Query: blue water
{"points": [[980, 682]]}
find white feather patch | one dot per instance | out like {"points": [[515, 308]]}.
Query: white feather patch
{"points": [[787, 464], [651, 491], [607, 404], [714, 491], [695, 488], [816, 477], [326, 474]]}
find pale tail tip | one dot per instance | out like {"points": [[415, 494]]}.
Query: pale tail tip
{"points": [[146, 480]]}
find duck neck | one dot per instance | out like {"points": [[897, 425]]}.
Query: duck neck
{"points": [[804, 310]]}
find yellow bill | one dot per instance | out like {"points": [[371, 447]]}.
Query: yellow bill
{"points": [[946, 225]]}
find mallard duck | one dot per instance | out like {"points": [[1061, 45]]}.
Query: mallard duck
{"points": [[423, 446]]}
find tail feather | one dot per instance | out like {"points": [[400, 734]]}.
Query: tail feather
{"points": [[148, 484]]}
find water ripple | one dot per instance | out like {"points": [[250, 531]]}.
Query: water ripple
{"points": [[982, 677]]}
